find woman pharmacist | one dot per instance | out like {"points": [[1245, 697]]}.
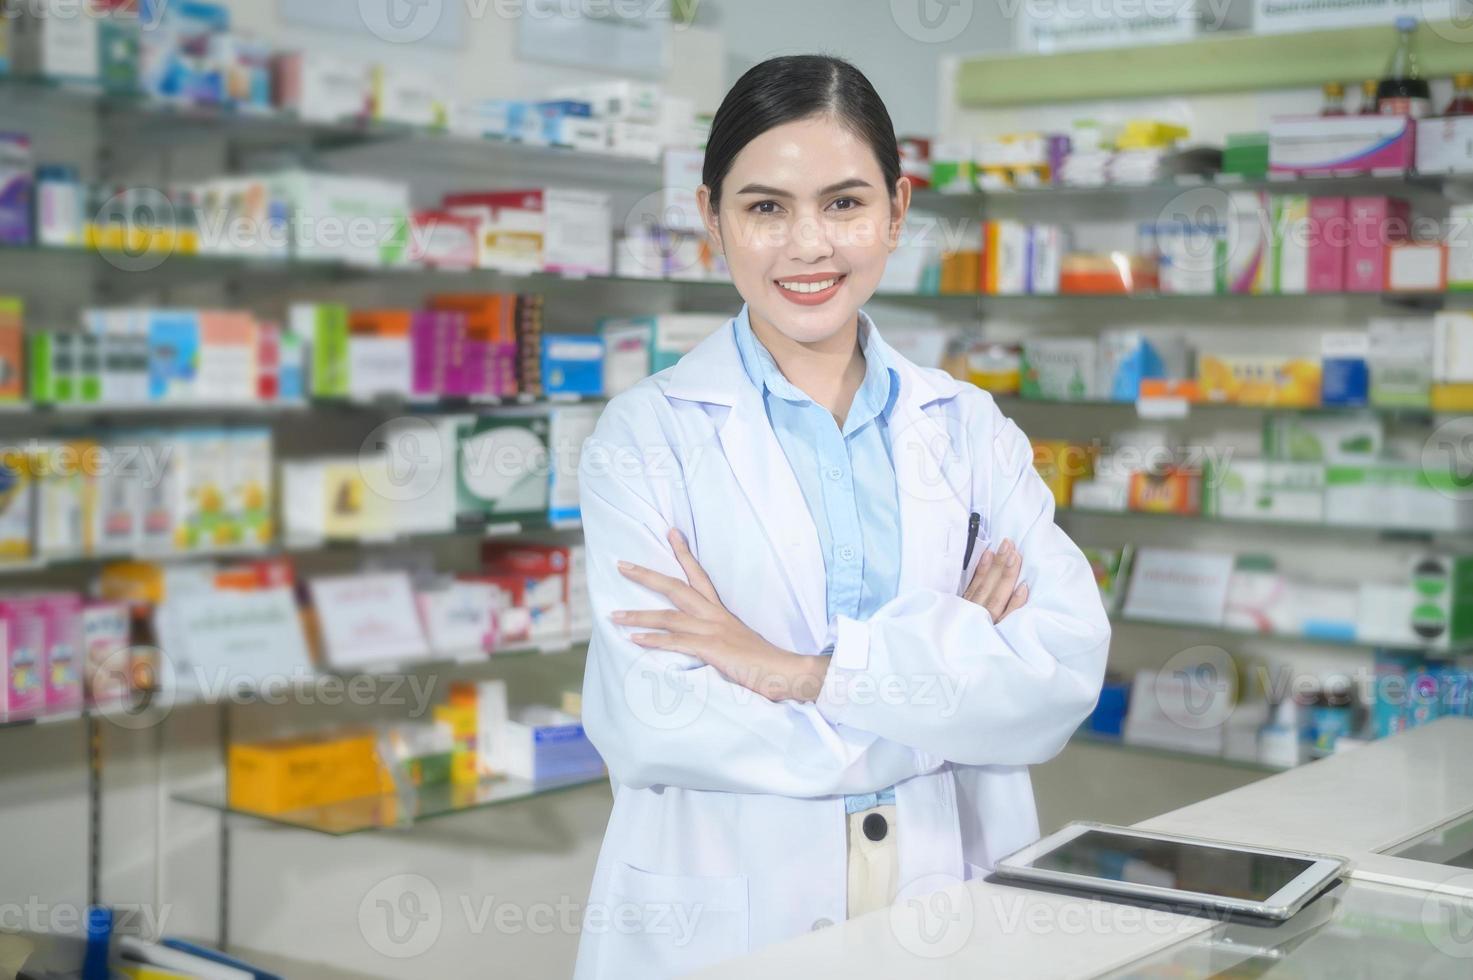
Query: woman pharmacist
{"points": [[835, 619]]}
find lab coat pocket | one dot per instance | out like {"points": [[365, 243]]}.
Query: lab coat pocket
{"points": [[674, 924]]}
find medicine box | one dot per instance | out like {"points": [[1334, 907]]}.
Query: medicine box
{"points": [[1416, 267], [1255, 489], [1345, 377], [1290, 255], [1329, 235], [628, 352], [1445, 145], [502, 468], [543, 743], [17, 186], [1060, 368], [572, 364], [22, 655], [1401, 353], [1324, 438], [1375, 224], [1402, 496], [543, 574], [321, 87], [63, 612], [1458, 241], [1317, 145], [282, 776]]}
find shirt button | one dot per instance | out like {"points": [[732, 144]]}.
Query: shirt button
{"points": [[875, 827], [820, 924], [846, 553], [835, 473]]}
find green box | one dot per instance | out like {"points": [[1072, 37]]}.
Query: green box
{"points": [[324, 326], [502, 472], [1246, 154]]}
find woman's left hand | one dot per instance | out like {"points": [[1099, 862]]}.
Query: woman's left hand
{"points": [[701, 626]]}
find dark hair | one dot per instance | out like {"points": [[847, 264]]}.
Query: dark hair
{"points": [[793, 87]]}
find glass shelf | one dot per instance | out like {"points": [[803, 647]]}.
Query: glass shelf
{"points": [[392, 813], [1086, 737], [1348, 183], [1391, 413], [1410, 534], [1323, 641]]}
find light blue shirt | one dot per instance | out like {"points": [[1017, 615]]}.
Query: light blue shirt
{"points": [[847, 478]]}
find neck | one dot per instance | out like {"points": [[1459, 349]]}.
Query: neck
{"points": [[829, 371]]}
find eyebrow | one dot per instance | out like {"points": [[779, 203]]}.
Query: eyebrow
{"points": [[843, 185]]}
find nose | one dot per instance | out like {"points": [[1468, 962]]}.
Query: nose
{"points": [[808, 239]]}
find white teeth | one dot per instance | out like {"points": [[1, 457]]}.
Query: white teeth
{"points": [[807, 287]]}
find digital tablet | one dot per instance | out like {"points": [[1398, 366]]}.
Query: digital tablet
{"points": [[1214, 877]]}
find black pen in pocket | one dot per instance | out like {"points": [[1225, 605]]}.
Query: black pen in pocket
{"points": [[974, 524]]}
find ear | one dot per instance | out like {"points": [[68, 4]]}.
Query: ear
{"points": [[709, 218], [899, 208]]}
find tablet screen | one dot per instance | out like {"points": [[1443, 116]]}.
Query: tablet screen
{"points": [[1167, 864]]}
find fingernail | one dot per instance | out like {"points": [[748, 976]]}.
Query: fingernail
{"points": [[675, 533], [1013, 560], [625, 566], [619, 617], [1022, 590]]}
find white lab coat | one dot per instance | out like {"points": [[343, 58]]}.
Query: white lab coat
{"points": [[728, 826]]}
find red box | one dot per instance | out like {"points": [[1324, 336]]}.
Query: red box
{"points": [[1329, 238]]}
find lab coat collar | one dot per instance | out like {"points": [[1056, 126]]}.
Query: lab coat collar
{"points": [[712, 372]]}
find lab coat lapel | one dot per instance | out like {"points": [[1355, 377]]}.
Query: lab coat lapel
{"points": [[712, 373], [933, 485], [766, 479]]}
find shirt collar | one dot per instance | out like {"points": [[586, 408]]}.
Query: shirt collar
{"points": [[876, 394]]}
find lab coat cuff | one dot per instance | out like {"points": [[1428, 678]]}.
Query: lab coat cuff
{"points": [[851, 648]]}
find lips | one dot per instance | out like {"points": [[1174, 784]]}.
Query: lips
{"points": [[811, 289]]}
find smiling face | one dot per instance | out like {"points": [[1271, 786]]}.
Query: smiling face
{"points": [[807, 224]]}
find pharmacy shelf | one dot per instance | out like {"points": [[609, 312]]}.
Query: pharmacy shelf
{"points": [[1387, 182], [70, 413], [1085, 737], [44, 718], [395, 813], [295, 546], [148, 123], [1121, 619], [1390, 413], [1406, 533], [1214, 63]]}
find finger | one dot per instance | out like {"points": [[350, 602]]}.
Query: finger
{"points": [[685, 598], [660, 619], [997, 600], [985, 577], [1020, 596], [694, 573], [678, 642]]}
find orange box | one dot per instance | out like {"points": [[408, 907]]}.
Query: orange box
{"points": [[488, 316], [462, 721], [379, 323], [1186, 390], [1108, 273], [296, 774], [1174, 491]]}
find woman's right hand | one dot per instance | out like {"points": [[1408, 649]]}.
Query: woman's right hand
{"points": [[994, 584]]}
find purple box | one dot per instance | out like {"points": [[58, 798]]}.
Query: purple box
{"points": [[63, 650], [429, 347], [23, 656], [17, 183]]}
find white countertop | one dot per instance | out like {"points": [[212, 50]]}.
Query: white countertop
{"points": [[1352, 805]]}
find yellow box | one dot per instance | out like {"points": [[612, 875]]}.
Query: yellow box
{"points": [[1286, 381], [296, 774], [462, 721], [1061, 464], [1452, 398]]}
